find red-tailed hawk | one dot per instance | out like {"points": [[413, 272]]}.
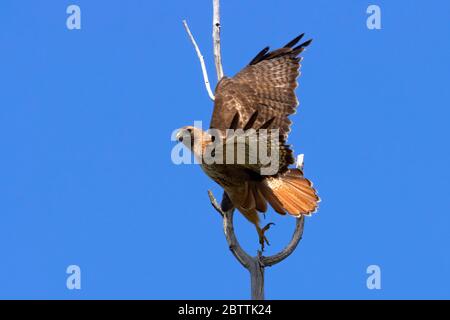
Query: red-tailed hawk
{"points": [[259, 99]]}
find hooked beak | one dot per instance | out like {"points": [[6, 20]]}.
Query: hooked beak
{"points": [[179, 135]]}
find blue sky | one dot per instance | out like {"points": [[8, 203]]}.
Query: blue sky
{"points": [[86, 176]]}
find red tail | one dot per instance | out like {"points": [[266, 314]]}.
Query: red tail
{"points": [[291, 193]]}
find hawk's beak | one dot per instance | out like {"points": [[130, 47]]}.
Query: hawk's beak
{"points": [[179, 135]]}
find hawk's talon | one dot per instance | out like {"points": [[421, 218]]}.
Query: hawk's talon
{"points": [[262, 238], [267, 226]]}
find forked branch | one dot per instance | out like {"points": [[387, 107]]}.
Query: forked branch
{"points": [[255, 265], [236, 248]]}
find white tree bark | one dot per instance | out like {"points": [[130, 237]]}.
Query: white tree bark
{"points": [[216, 39], [202, 61]]}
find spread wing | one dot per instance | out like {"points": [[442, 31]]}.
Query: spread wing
{"points": [[262, 94]]}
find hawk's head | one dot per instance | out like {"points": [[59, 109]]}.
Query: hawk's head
{"points": [[194, 139]]}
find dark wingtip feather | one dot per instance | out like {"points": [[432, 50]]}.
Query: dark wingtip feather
{"points": [[235, 121], [267, 124], [307, 43], [302, 46], [259, 56], [251, 121], [264, 54], [294, 41]]}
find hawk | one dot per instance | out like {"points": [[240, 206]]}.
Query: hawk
{"points": [[259, 99]]}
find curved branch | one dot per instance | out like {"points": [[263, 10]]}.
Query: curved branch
{"points": [[286, 252], [202, 61], [242, 256], [215, 204], [255, 265]]}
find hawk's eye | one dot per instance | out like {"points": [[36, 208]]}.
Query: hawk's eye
{"points": [[180, 139], [213, 138]]}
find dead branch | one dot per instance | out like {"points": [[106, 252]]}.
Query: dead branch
{"points": [[255, 265], [216, 39], [202, 61], [228, 228]]}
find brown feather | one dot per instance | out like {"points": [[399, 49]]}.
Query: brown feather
{"points": [[294, 192], [261, 203], [272, 199], [294, 41], [249, 199], [266, 86]]}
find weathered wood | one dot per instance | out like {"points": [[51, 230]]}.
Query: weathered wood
{"points": [[202, 61], [228, 228], [216, 39], [255, 265], [257, 278]]}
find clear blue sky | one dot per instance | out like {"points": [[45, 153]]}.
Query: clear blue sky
{"points": [[86, 176]]}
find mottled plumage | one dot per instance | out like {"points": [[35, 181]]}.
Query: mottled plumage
{"points": [[260, 96], [266, 85]]}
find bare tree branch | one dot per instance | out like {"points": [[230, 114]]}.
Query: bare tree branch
{"points": [[242, 256], [300, 161], [255, 265], [216, 39], [228, 228], [202, 61], [257, 278], [215, 204]]}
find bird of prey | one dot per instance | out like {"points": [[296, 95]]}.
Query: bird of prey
{"points": [[259, 99]]}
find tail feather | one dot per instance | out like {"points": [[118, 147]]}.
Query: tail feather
{"points": [[271, 198], [291, 193], [303, 186], [261, 203], [249, 199]]}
